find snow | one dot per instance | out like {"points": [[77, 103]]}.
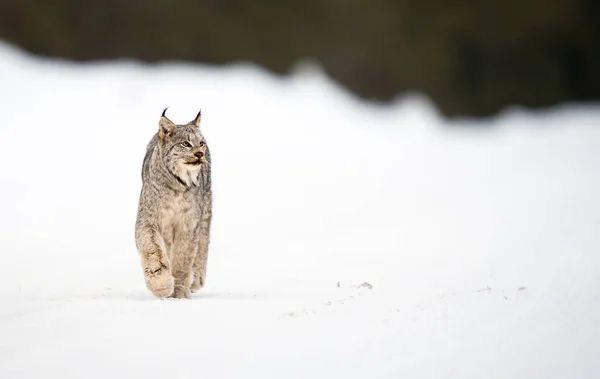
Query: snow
{"points": [[479, 237]]}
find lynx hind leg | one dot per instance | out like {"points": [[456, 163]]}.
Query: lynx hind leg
{"points": [[155, 263], [200, 262], [200, 268]]}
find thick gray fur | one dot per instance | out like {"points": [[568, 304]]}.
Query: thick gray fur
{"points": [[175, 210]]}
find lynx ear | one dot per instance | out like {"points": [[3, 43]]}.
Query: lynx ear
{"points": [[196, 121], [165, 126]]}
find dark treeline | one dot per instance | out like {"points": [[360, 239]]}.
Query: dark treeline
{"points": [[472, 57]]}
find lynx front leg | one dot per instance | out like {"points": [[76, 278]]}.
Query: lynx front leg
{"points": [[155, 263], [184, 254], [202, 257]]}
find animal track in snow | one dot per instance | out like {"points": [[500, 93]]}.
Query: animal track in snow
{"points": [[356, 291]]}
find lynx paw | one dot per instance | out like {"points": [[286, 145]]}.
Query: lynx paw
{"points": [[182, 292], [197, 284], [160, 282]]}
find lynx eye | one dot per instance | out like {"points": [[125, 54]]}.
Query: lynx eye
{"points": [[202, 143], [186, 144]]}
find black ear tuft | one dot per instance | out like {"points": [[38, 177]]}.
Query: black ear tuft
{"points": [[196, 121], [165, 126]]}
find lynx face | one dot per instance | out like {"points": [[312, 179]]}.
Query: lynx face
{"points": [[183, 149]]}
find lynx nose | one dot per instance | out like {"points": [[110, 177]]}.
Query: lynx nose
{"points": [[199, 154]]}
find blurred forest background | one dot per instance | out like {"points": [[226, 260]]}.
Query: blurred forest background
{"points": [[472, 57]]}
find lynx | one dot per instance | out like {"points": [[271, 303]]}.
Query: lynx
{"points": [[175, 209]]}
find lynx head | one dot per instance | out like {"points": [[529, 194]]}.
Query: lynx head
{"points": [[182, 148]]}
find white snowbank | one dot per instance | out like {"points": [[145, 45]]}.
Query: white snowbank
{"points": [[480, 238]]}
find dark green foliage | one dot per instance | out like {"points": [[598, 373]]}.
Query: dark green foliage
{"points": [[473, 57]]}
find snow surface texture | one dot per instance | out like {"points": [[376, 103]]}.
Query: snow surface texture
{"points": [[479, 238]]}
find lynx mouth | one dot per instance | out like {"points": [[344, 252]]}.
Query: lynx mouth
{"points": [[196, 162]]}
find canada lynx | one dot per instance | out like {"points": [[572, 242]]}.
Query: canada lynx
{"points": [[175, 210]]}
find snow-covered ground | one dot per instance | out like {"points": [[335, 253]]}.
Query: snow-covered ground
{"points": [[480, 238]]}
